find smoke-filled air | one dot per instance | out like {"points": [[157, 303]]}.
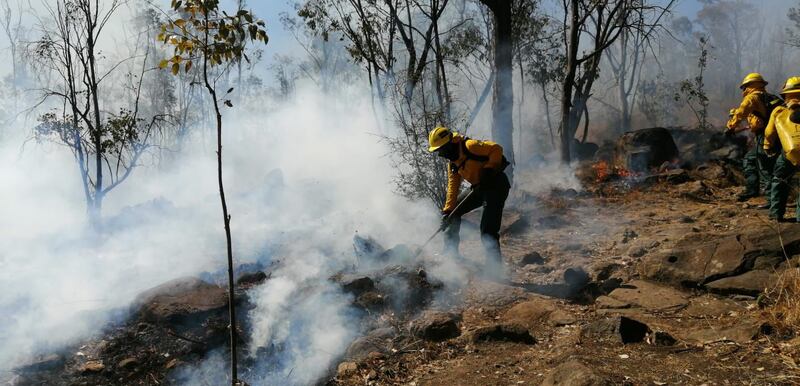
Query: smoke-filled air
{"points": [[399, 192]]}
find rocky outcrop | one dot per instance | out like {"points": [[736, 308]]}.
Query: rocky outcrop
{"points": [[181, 299], [645, 149], [694, 264]]}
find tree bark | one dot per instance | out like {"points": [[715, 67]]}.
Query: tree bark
{"points": [[503, 96], [569, 82]]}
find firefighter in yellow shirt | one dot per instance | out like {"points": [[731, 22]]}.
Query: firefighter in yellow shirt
{"points": [[753, 110], [782, 135], [482, 164]]}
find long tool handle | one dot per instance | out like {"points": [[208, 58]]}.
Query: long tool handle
{"points": [[419, 251]]}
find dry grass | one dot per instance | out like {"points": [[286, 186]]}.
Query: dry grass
{"points": [[783, 312]]}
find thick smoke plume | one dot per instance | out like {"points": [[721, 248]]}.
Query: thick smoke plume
{"points": [[303, 178]]}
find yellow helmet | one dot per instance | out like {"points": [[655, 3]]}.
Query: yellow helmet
{"points": [[439, 137], [792, 86], [752, 78]]}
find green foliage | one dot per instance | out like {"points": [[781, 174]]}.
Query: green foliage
{"points": [[693, 91], [208, 34]]}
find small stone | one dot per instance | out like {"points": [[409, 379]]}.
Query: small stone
{"points": [[346, 368], [127, 363], [624, 356], [531, 258], [637, 251], [372, 375], [92, 367], [172, 363]]}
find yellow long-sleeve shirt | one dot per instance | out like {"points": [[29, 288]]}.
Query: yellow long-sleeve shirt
{"points": [[783, 134], [465, 168], [752, 110]]}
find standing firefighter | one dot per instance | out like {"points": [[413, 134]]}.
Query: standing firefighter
{"points": [[783, 135], [481, 163], [755, 109]]}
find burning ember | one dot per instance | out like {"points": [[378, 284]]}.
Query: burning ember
{"points": [[605, 172]]}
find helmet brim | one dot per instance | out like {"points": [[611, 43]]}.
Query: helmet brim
{"points": [[745, 84], [787, 92]]}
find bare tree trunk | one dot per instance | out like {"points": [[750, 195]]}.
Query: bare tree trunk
{"points": [[503, 97], [97, 135], [569, 82]]}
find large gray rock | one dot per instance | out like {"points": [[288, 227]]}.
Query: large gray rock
{"points": [[574, 373], [692, 263], [436, 326], [639, 293], [742, 332], [181, 298], [749, 283], [642, 150], [503, 332], [620, 329], [532, 314], [378, 340]]}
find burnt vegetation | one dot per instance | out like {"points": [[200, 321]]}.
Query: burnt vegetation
{"points": [[629, 259]]}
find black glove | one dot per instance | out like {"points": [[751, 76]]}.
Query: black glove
{"points": [[445, 220], [487, 177], [771, 153], [730, 132]]}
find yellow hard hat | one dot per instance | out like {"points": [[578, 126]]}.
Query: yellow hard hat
{"points": [[792, 86], [439, 137], [751, 78]]}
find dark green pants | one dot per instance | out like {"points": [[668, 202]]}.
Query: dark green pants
{"points": [[781, 186], [493, 200], [757, 167]]}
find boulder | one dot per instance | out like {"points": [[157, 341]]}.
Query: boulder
{"points": [[749, 283], [709, 306], [489, 294], [531, 314], [694, 262], [606, 302], [619, 329], [645, 149], [561, 318], [742, 332], [436, 326], [504, 332], [574, 373], [355, 284], [179, 299], [647, 295], [377, 341], [405, 289], [367, 248]]}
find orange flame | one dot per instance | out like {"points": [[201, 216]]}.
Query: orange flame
{"points": [[604, 172]]}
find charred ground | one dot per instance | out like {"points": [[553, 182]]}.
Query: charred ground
{"points": [[650, 274]]}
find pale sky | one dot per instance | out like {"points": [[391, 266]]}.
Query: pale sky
{"points": [[283, 43]]}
